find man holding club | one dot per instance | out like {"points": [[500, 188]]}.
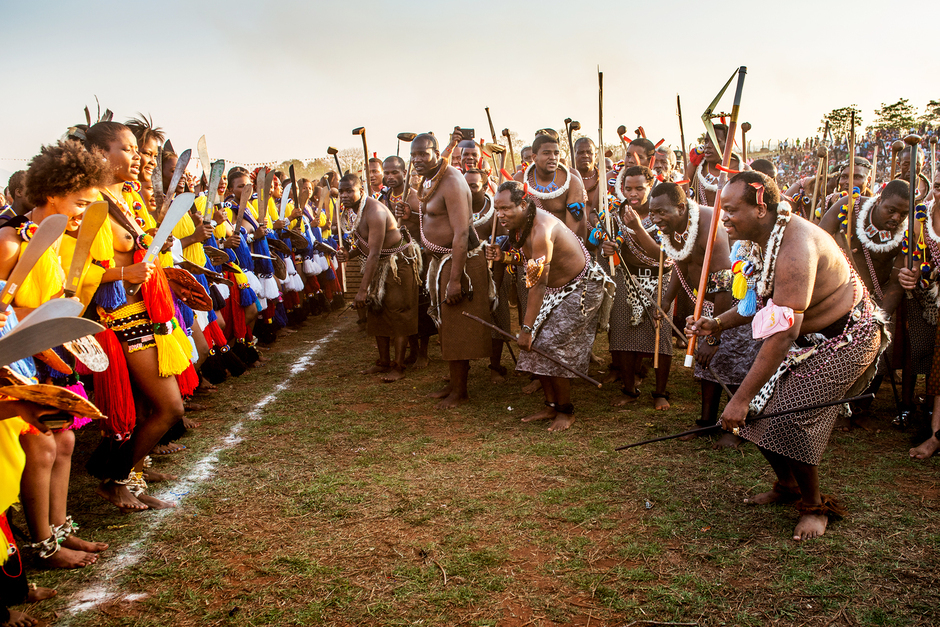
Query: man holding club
{"points": [[822, 335], [458, 279], [554, 187]]}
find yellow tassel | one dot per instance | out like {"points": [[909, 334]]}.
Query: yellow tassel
{"points": [[739, 286], [182, 339], [171, 359]]}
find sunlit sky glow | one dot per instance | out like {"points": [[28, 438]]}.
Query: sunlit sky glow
{"points": [[272, 81]]}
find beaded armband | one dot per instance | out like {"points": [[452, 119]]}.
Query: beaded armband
{"points": [[576, 209]]}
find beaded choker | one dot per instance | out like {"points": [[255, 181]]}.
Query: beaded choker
{"points": [[546, 195], [479, 219], [429, 185], [688, 238], [866, 231], [593, 177]]}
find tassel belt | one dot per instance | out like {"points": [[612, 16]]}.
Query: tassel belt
{"points": [[131, 324]]}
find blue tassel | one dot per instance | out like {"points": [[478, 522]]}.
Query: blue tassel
{"points": [[735, 248], [212, 316], [215, 244], [748, 305], [263, 265], [247, 297], [111, 295], [243, 253], [330, 275], [280, 315], [187, 313]]}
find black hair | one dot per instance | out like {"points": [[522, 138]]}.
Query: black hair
{"points": [[397, 160], [648, 147], [583, 139], [102, 134], [764, 167], [428, 137], [640, 170], [62, 169], [17, 181], [234, 173], [376, 160], [518, 196], [771, 191], [543, 138], [144, 130], [898, 188], [672, 191], [352, 179]]}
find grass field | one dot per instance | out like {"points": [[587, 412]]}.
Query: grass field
{"points": [[318, 496]]}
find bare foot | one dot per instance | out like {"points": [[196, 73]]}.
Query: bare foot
{"points": [[927, 449], [37, 594], [152, 476], [625, 399], [660, 404], [376, 369], [442, 393], [394, 375], [194, 407], [810, 526], [611, 376], [155, 503], [497, 375], [562, 422], [453, 400], [77, 544], [596, 360], [533, 387], [728, 440], [788, 495], [67, 558], [119, 496], [167, 449], [205, 388], [189, 423], [19, 619], [422, 362], [546, 414]]}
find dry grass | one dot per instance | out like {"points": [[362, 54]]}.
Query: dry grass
{"points": [[352, 502]]}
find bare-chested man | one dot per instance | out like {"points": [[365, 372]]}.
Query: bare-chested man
{"points": [[554, 187], [822, 335], [566, 289], [376, 176], [702, 172], [458, 279], [685, 226], [405, 209], [389, 291], [469, 155], [585, 160]]}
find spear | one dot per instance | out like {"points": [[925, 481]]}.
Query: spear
{"points": [[602, 165], [685, 156], [722, 179], [716, 427]]}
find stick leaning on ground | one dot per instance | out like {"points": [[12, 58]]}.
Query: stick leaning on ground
{"points": [[533, 349]]}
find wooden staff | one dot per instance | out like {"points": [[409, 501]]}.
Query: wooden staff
{"points": [[713, 227], [361, 130], [621, 131], [659, 305], [717, 426], [823, 155], [685, 154], [873, 175], [745, 127], [602, 165], [896, 147], [850, 207], [824, 192], [913, 141], [502, 167], [512, 155], [933, 159], [512, 337]]}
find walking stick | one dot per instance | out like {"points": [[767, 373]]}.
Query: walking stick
{"points": [[823, 155], [722, 179], [659, 306], [603, 201], [752, 420], [913, 141], [574, 126], [621, 131], [896, 147], [365, 152], [745, 127], [533, 349], [685, 154], [334, 152], [850, 208], [933, 159], [512, 155], [874, 168], [570, 144]]}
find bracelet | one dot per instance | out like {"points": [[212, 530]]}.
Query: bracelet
{"points": [[718, 322], [527, 329], [122, 273]]}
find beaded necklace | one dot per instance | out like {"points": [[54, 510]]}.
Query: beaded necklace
{"points": [[865, 232], [550, 192], [429, 186], [754, 272], [430, 246], [688, 238], [592, 177], [479, 219]]}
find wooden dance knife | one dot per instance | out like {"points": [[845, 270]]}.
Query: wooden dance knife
{"points": [[50, 310], [750, 420], [94, 216], [49, 231], [212, 194], [181, 164], [178, 207], [285, 197], [40, 336], [202, 149]]}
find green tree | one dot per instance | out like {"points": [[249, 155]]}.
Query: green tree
{"points": [[931, 115], [840, 120], [898, 117]]}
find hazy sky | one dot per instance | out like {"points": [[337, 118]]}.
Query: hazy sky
{"points": [[268, 81]]}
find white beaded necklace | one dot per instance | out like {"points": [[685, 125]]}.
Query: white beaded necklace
{"points": [[766, 281], [547, 195], [710, 187], [484, 216], [691, 234], [866, 232]]}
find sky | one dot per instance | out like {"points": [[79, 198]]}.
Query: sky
{"points": [[269, 81]]}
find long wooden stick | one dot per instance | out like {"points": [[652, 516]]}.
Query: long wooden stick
{"points": [[933, 159], [602, 166], [685, 155], [713, 228], [659, 305], [822, 154], [913, 141], [717, 426], [512, 337], [896, 147], [850, 208]]}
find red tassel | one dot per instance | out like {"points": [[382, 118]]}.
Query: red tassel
{"points": [[727, 170], [156, 292], [683, 182], [188, 381], [506, 175], [234, 315], [113, 394], [661, 142], [215, 331]]}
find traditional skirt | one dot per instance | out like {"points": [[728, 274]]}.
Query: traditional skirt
{"points": [[393, 296], [631, 328], [734, 357], [133, 326], [501, 315], [462, 338], [566, 325], [921, 323], [831, 369]]}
